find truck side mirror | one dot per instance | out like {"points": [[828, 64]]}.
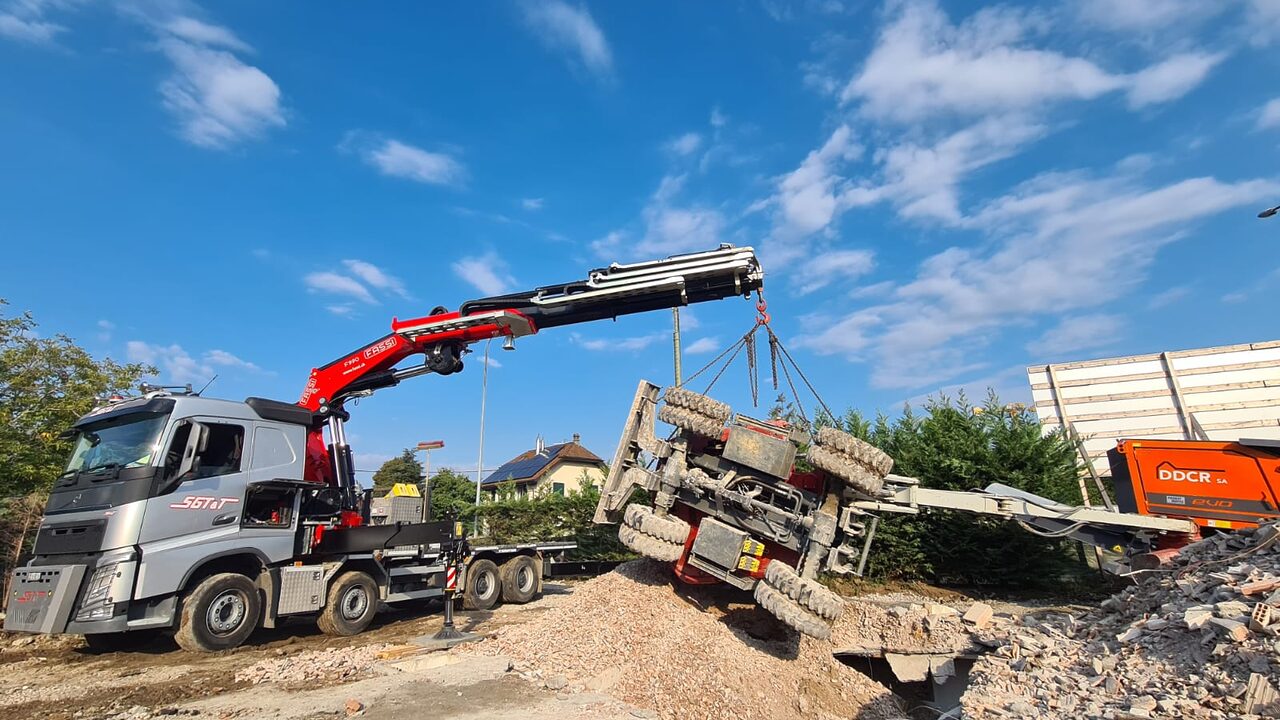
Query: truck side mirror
{"points": [[197, 442]]}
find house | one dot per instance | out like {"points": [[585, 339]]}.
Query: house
{"points": [[559, 469]]}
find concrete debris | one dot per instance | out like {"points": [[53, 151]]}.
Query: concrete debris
{"points": [[979, 615], [909, 668], [684, 652], [334, 664], [1186, 641]]}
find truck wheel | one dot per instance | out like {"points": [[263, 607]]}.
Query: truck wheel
{"points": [[860, 451], [691, 421], [519, 579], [649, 546], [807, 593], [350, 606], [713, 409], [856, 476], [483, 586], [644, 519], [791, 614], [218, 614]]}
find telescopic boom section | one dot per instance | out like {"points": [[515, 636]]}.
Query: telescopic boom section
{"points": [[442, 337]]}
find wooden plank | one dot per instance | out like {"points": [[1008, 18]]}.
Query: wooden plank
{"points": [[1177, 430], [1194, 352], [1160, 393], [1261, 364], [1181, 402], [1148, 412]]}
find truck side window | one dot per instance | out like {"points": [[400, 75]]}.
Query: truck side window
{"points": [[269, 507], [223, 453]]}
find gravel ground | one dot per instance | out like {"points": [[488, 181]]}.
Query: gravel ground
{"points": [[684, 654]]}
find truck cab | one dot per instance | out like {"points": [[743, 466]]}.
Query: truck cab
{"points": [[159, 490]]}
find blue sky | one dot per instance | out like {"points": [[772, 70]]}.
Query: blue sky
{"points": [[941, 195]]}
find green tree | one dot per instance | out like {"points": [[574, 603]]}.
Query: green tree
{"points": [[404, 468], [46, 383], [451, 492], [957, 446]]}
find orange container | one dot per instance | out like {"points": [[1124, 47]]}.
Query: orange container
{"points": [[1224, 485]]}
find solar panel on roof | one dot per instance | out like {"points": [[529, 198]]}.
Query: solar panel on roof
{"points": [[521, 469]]}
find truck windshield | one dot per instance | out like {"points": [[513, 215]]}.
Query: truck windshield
{"points": [[122, 442]]}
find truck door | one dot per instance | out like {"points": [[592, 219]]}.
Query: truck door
{"points": [[202, 486]]}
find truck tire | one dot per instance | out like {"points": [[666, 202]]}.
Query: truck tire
{"points": [[220, 613], [691, 421], [483, 587], [519, 579], [697, 402], [648, 545], [644, 518], [838, 465], [791, 614], [805, 592], [350, 606], [860, 451]]}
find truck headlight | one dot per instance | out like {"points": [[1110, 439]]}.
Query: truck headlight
{"points": [[94, 605]]}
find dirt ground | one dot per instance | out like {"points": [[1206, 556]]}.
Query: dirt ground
{"points": [[59, 678]]}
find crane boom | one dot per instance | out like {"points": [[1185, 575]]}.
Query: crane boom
{"points": [[442, 336]]}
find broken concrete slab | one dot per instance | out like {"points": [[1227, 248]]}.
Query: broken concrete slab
{"points": [[979, 615], [909, 668]]}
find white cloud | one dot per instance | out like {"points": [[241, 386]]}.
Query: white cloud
{"points": [[531, 203], [686, 144], [343, 310], [922, 180], [1269, 115], [487, 273], [923, 65], [1263, 21], [376, 277], [1078, 333], [226, 359], [1060, 243], [627, 344], [176, 365], [561, 26], [331, 283], [702, 346], [836, 265], [491, 362], [1171, 78], [718, 119], [807, 199], [398, 159], [671, 227], [1168, 297], [1147, 15], [218, 99], [28, 29], [105, 328], [201, 33]]}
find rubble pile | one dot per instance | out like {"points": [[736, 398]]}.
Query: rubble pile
{"points": [[331, 665], [1198, 639], [634, 635]]}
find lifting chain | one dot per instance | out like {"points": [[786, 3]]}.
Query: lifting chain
{"points": [[753, 373]]}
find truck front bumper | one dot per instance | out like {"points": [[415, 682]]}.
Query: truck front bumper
{"points": [[42, 598]]}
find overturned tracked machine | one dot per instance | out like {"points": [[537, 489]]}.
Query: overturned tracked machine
{"points": [[729, 504]]}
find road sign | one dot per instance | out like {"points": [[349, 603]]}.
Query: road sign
{"points": [[431, 445]]}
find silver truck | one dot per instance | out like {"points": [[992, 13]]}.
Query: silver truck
{"points": [[209, 518]]}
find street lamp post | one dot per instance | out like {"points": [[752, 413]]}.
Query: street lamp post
{"points": [[425, 448]]}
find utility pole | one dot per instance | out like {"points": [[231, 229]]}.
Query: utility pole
{"points": [[425, 448], [484, 390], [675, 336]]}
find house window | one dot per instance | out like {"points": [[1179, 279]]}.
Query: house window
{"points": [[557, 488]]}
